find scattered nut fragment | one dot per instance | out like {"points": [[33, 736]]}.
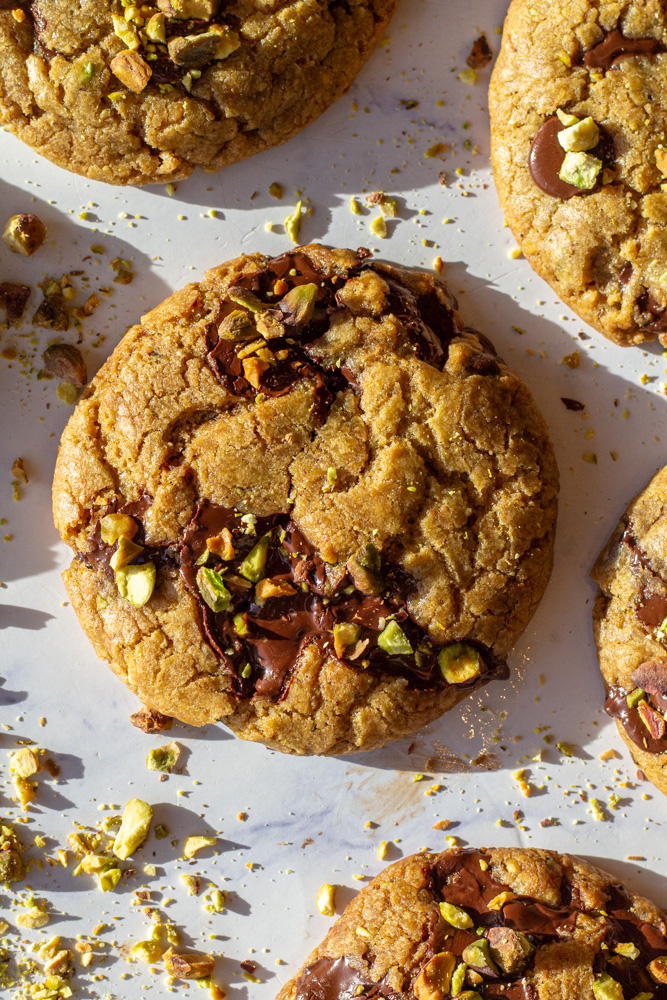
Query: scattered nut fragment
{"points": [[26, 790], [434, 980], [133, 829], [14, 298], [511, 950], [193, 51], [24, 233], [25, 762], [653, 721], [146, 951], [123, 269], [651, 676], [326, 900], [480, 53], [364, 567], [32, 918], [456, 916], [132, 71], [196, 843], [18, 472], [88, 307], [52, 313], [11, 865], [477, 956], [66, 362], [163, 758], [189, 965], [151, 721], [657, 969], [273, 588]]}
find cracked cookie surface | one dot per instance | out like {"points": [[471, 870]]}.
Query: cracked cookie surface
{"points": [[603, 248], [520, 923], [305, 500], [630, 625], [136, 94]]}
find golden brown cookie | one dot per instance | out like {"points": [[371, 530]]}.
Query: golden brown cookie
{"points": [[143, 93], [578, 123], [630, 623], [305, 500], [506, 922]]}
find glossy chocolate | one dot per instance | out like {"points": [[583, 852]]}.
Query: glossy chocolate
{"points": [[458, 878], [617, 707], [546, 156], [654, 316], [281, 627], [336, 979], [651, 608], [99, 554], [616, 46]]}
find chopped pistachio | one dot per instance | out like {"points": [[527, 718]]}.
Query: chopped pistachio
{"points": [[273, 588], [146, 951], [478, 957], [222, 545], [458, 979], [126, 32], [192, 51], [25, 762], [32, 918], [109, 879], [218, 900], [244, 297], [155, 29], [66, 362], [365, 569], [580, 170], [293, 223], [379, 227], [635, 697], [566, 119], [136, 583], [345, 635], [240, 625], [434, 980], [188, 966], [276, 190], [579, 137], [627, 950], [499, 901], [163, 758], [132, 70], [26, 790], [606, 988], [196, 843], [326, 900], [456, 916], [299, 304], [24, 233], [133, 829], [115, 526], [212, 588], [252, 567], [657, 969], [459, 663], [394, 641], [126, 551]]}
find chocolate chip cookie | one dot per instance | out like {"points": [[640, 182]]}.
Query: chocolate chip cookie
{"points": [[522, 924], [143, 93], [578, 123], [305, 500], [630, 623]]}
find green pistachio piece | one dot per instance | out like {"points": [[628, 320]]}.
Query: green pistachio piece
{"points": [[115, 526], [276, 190], [458, 978], [156, 29], [579, 137], [365, 569], [456, 916], [580, 170], [394, 641], [237, 325], [298, 304], [146, 951], [11, 866], [240, 625], [459, 663], [109, 879], [252, 567], [127, 551], [133, 828], [161, 831], [345, 635], [212, 588], [478, 956], [136, 583], [126, 32], [627, 950], [606, 988], [163, 758], [293, 224], [565, 119], [244, 297], [635, 697]]}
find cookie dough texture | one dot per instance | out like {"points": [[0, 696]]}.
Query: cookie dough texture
{"points": [[603, 252], [449, 471], [58, 92], [399, 911], [631, 573]]}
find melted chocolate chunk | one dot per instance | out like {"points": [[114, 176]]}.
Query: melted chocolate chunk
{"points": [[617, 707], [458, 878], [625, 274], [429, 324], [546, 159], [335, 979], [99, 554], [279, 628], [616, 46], [654, 316], [651, 609]]}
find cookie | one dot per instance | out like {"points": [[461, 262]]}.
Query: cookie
{"points": [[518, 923], [138, 94], [578, 102], [630, 624], [305, 500]]}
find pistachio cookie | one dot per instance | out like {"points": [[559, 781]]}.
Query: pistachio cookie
{"points": [[143, 93], [306, 501], [578, 104], [630, 623], [518, 923]]}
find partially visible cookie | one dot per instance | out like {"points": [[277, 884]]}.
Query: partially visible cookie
{"points": [[630, 623], [143, 93], [304, 499], [578, 103], [517, 923]]}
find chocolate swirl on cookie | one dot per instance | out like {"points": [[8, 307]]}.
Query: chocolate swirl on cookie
{"points": [[616, 46]]}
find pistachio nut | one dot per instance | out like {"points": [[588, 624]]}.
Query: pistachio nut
{"points": [[211, 586], [134, 828], [459, 663], [136, 583]]}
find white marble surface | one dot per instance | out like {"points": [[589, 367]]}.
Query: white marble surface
{"points": [[369, 140]]}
